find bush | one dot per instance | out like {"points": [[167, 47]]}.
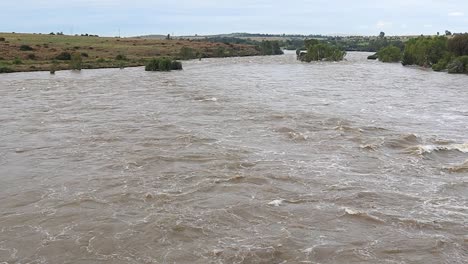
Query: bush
{"points": [[443, 63], [373, 57], [152, 65], [64, 56], [456, 66], [31, 56], [176, 65], [53, 67], [2, 39], [120, 57], [5, 69], [25, 48], [323, 51], [163, 64], [270, 48], [187, 53], [220, 52], [459, 45], [389, 54], [76, 61], [424, 51], [84, 55], [17, 61]]}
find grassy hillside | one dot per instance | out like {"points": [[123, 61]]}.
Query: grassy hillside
{"points": [[34, 52]]}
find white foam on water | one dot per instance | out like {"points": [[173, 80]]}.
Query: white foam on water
{"points": [[276, 203]]}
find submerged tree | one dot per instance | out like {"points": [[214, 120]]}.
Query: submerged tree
{"points": [[389, 54], [425, 51], [163, 64], [318, 51], [270, 48]]}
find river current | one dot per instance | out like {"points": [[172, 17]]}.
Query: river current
{"points": [[235, 160]]}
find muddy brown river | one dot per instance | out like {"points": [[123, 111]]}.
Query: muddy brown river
{"points": [[237, 160]]}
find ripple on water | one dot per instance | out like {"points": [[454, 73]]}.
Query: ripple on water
{"points": [[235, 160]]}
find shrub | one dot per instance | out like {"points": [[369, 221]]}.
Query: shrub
{"points": [[53, 67], [323, 51], [163, 64], [389, 54], [5, 69], [187, 53], [459, 44], [456, 66], [64, 56], [101, 60], [31, 56], [152, 65], [220, 51], [76, 62], [25, 48], [84, 55], [120, 57], [270, 48], [2, 39], [373, 57], [443, 63], [17, 61], [176, 65], [424, 51]]}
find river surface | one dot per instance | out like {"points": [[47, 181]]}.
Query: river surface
{"points": [[237, 160]]}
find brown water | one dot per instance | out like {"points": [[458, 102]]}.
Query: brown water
{"points": [[241, 160]]}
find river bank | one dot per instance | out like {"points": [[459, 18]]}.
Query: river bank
{"points": [[40, 52]]}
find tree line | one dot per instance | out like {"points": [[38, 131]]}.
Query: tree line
{"points": [[437, 52]]}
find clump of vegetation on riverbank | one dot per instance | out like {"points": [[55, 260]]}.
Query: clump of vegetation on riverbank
{"points": [[270, 48], [320, 51], [389, 54], [163, 64], [439, 53], [36, 52]]}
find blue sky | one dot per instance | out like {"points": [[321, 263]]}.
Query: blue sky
{"points": [[184, 17]]}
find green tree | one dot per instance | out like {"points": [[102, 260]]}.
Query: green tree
{"points": [[318, 51], [425, 51], [270, 48], [389, 54], [458, 45]]}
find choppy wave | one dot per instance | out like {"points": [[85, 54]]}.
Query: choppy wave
{"points": [[237, 160], [423, 149], [459, 168]]}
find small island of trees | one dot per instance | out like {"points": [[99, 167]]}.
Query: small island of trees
{"points": [[163, 64], [320, 51]]}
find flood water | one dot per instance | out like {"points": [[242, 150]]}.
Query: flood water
{"points": [[238, 160]]}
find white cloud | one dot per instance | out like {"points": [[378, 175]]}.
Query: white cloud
{"points": [[456, 14]]}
